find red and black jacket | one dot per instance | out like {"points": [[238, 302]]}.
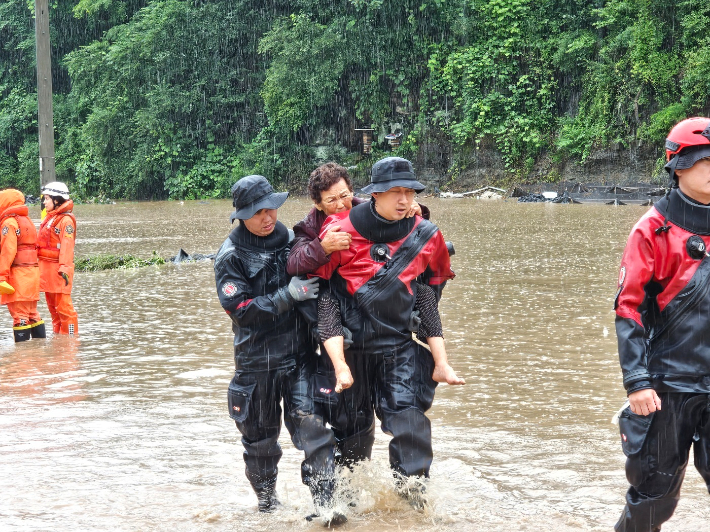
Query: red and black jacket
{"points": [[374, 279], [663, 299]]}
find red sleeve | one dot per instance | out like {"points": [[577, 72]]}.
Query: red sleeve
{"points": [[637, 268]]}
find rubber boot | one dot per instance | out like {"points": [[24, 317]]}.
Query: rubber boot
{"points": [[323, 492], [38, 330], [412, 490], [22, 333], [265, 490]]}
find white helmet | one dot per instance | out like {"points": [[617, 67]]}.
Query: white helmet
{"points": [[56, 188]]}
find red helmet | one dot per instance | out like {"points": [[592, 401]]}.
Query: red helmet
{"points": [[689, 132]]}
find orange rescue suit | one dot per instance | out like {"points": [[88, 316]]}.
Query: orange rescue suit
{"points": [[18, 255], [55, 249]]}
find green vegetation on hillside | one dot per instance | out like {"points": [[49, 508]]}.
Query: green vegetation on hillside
{"points": [[177, 99]]}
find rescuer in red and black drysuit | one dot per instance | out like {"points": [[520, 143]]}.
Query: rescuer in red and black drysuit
{"points": [[274, 352], [351, 414], [19, 270], [374, 283], [663, 329]]}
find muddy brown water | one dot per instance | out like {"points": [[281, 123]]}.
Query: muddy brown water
{"points": [[127, 428]]}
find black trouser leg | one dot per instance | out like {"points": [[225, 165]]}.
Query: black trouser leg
{"points": [[358, 447], [310, 434], [404, 391], [350, 413], [657, 470], [410, 449], [254, 402]]}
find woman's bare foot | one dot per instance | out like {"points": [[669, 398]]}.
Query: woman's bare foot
{"points": [[445, 373]]}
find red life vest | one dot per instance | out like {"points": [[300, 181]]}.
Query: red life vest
{"points": [[48, 240], [27, 239]]}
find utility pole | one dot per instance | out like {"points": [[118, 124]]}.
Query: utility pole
{"points": [[45, 118]]}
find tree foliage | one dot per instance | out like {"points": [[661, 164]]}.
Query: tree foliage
{"points": [[179, 98]]}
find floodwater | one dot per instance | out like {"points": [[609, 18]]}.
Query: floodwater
{"points": [[127, 428]]}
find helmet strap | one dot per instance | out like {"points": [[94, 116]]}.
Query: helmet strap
{"points": [[673, 183]]}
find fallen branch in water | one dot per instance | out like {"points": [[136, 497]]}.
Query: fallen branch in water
{"points": [[115, 262], [98, 263]]}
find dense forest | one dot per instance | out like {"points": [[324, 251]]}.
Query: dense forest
{"points": [[179, 98]]}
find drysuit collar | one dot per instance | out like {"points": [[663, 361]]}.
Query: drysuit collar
{"points": [[375, 228], [685, 212], [276, 240]]}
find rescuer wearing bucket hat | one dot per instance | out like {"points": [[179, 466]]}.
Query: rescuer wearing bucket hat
{"points": [[274, 352], [662, 323], [374, 284], [55, 251]]}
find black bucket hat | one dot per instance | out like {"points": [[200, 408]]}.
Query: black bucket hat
{"points": [[252, 193], [392, 172]]}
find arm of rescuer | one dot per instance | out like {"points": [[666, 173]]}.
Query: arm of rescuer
{"points": [[244, 307], [67, 234], [637, 268], [8, 250]]}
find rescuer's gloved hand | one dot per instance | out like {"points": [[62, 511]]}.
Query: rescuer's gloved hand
{"points": [[6, 288], [65, 277], [301, 289]]}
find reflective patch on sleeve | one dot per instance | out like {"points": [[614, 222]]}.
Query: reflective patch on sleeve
{"points": [[57, 230], [244, 304], [17, 231], [229, 289], [5, 230], [69, 229]]}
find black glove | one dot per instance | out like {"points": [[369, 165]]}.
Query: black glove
{"points": [[65, 277], [301, 289]]}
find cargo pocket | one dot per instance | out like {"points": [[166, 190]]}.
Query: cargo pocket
{"points": [[633, 430], [239, 399], [324, 389]]}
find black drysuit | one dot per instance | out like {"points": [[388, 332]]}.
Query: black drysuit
{"points": [[274, 358], [662, 324]]}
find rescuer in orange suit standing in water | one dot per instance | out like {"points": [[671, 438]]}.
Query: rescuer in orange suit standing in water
{"points": [[19, 272], [55, 250]]}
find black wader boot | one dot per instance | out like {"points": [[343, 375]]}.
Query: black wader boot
{"points": [[265, 489], [323, 492], [22, 333], [37, 329]]}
